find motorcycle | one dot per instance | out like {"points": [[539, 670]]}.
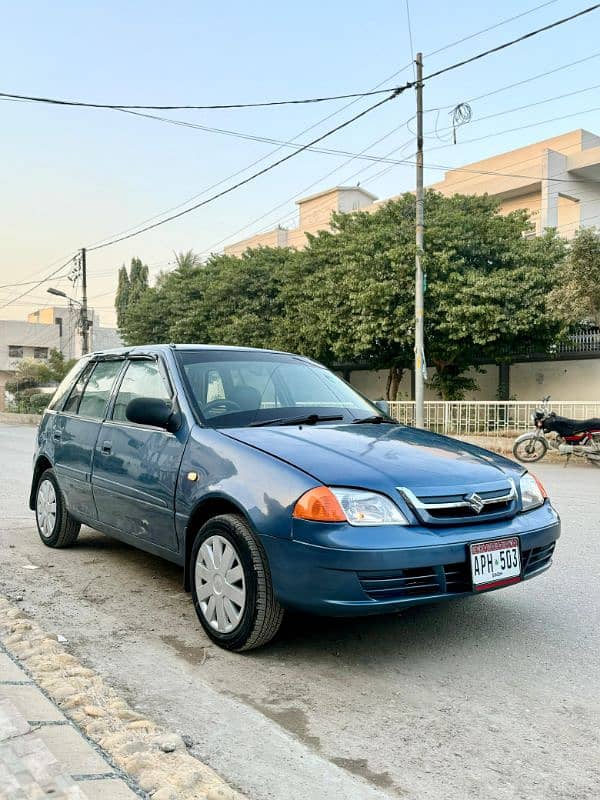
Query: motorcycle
{"points": [[571, 437]]}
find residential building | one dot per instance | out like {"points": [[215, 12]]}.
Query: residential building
{"points": [[557, 180], [314, 215], [51, 328]]}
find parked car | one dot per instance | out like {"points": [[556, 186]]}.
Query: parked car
{"points": [[275, 485]]}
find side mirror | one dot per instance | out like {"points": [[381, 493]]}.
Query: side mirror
{"points": [[384, 406], [152, 411]]}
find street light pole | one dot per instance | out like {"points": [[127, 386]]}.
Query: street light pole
{"points": [[85, 325], [419, 281]]}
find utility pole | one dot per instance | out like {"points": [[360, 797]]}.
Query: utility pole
{"points": [[85, 325], [419, 281]]}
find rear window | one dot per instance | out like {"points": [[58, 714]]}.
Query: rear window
{"points": [[66, 383]]}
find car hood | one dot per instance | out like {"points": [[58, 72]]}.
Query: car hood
{"points": [[380, 456]]}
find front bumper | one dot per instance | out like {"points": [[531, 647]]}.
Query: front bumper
{"points": [[340, 570]]}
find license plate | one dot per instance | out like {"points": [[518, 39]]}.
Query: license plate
{"points": [[495, 563]]}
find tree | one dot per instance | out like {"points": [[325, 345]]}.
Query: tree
{"points": [[31, 375], [576, 297], [487, 287], [122, 297], [348, 298], [353, 299], [130, 289], [356, 301]]}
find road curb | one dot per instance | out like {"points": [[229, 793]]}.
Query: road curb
{"points": [[154, 762]]}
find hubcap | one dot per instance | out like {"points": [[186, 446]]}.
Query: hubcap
{"points": [[220, 584], [46, 508]]}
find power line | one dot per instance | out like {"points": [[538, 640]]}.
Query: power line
{"points": [[309, 145], [520, 127], [527, 80], [289, 142], [410, 39], [527, 106], [127, 107], [310, 186], [255, 175], [270, 103], [490, 28], [522, 38], [39, 283]]}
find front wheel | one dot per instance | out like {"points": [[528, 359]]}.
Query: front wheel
{"points": [[531, 449], [231, 585]]}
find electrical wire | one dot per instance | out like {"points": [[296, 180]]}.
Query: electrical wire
{"points": [[39, 283], [519, 39], [410, 39], [310, 144], [129, 107], [521, 127], [255, 175], [528, 80], [309, 187], [260, 160], [490, 28], [527, 106]]}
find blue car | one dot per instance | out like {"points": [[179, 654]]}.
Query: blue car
{"points": [[275, 485]]}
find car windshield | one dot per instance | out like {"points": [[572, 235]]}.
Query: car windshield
{"points": [[238, 389]]}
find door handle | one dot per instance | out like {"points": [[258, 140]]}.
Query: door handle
{"points": [[56, 436], [106, 448]]}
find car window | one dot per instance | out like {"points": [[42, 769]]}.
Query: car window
{"points": [[72, 403], [258, 385], [142, 379], [66, 384], [98, 389]]}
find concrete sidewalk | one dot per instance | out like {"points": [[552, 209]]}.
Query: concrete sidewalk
{"points": [[43, 754], [65, 733]]}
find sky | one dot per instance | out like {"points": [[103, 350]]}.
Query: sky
{"points": [[71, 177]]}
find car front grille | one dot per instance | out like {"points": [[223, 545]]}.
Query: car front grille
{"points": [[463, 506], [416, 582], [446, 579]]}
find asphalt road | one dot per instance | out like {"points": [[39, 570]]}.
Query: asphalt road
{"points": [[495, 696]]}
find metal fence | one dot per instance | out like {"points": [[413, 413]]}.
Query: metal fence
{"points": [[489, 418], [580, 342]]}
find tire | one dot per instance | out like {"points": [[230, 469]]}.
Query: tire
{"points": [[538, 445], [56, 527], [236, 604]]}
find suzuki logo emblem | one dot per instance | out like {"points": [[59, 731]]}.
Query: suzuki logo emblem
{"points": [[475, 501]]}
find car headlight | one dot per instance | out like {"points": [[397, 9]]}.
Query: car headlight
{"points": [[533, 493], [355, 506]]}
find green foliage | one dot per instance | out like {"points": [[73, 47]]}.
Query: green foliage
{"points": [[30, 375], [130, 289], [348, 297], [576, 297], [122, 296]]}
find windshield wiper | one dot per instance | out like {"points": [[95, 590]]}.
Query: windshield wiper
{"points": [[308, 419], [376, 419]]}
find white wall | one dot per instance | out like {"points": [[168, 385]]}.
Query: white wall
{"points": [[373, 383], [563, 380]]}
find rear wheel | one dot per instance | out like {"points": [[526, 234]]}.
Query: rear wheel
{"points": [[56, 527], [529, 450], [231, 585]]}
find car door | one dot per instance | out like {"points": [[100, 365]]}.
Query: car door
{"points": [[75, 431], [136, 466]]}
